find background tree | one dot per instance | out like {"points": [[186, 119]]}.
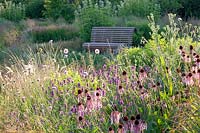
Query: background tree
{"points": [[59, 8]]}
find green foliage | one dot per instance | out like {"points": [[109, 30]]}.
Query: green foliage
{"points": [[168, 6], [90, 15], [136, 56], [142, 30], [34, 9], [55, 33], [12, 11], [15, 1], [59, 8], [140, 8], [189, 8]]}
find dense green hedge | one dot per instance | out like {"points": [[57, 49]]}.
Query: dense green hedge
{"points": [[44, 34]]}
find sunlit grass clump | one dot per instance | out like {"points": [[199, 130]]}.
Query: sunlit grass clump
{"points": [[54, 90]]}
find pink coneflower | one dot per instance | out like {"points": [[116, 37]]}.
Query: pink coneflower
{"points": [[198, 77], [142, 74], [138, 126], [191, 49], [86, 92], [187, 59], [154, 87], [121, 129], [135, 127], [120, 90], [189, 80], [183, 76], [89, 104], [143, 95], [79, 94], [180, 50], [124, 73], [80, 109], [97, 104], [126, 123], [198, 63], [81, 122], [168, 71], [110, 130], [115, 116]]}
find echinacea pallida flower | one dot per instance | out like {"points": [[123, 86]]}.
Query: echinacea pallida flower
{"points": [[115, 116]]}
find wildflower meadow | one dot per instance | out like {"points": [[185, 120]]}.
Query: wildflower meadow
{"points": [[150, 89]]}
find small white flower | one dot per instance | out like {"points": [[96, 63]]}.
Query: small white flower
{"points": [[179, 19], [66, 51], [51, 42], [85, 74], [97, 51], [65, 56]]}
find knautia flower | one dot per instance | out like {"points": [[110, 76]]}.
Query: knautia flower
{"points": [[85, 74], [97, 51], [73, 109]]}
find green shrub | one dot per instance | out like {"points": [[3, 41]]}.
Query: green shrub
{"points": [[12, 11], [142, 30], [140, 8], [59, 8], [90, 15], [169, 6], [136, 56], [55, 33], [34, 9]]}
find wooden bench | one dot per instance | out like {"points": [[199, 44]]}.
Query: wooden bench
{"points": [[105, 38]]}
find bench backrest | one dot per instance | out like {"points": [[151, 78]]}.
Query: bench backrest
{"points": [[112, 34]]}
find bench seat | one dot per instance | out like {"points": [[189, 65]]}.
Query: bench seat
{"points": [[106, 38], [102, 45]]}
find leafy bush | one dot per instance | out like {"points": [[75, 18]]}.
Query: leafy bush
{"points": [[12, 11], [59, 8], [55, 33], [34, 8], [136, 56], [142, 30], [189, 8], [90, 15], [169, 6], [140, 8]]}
